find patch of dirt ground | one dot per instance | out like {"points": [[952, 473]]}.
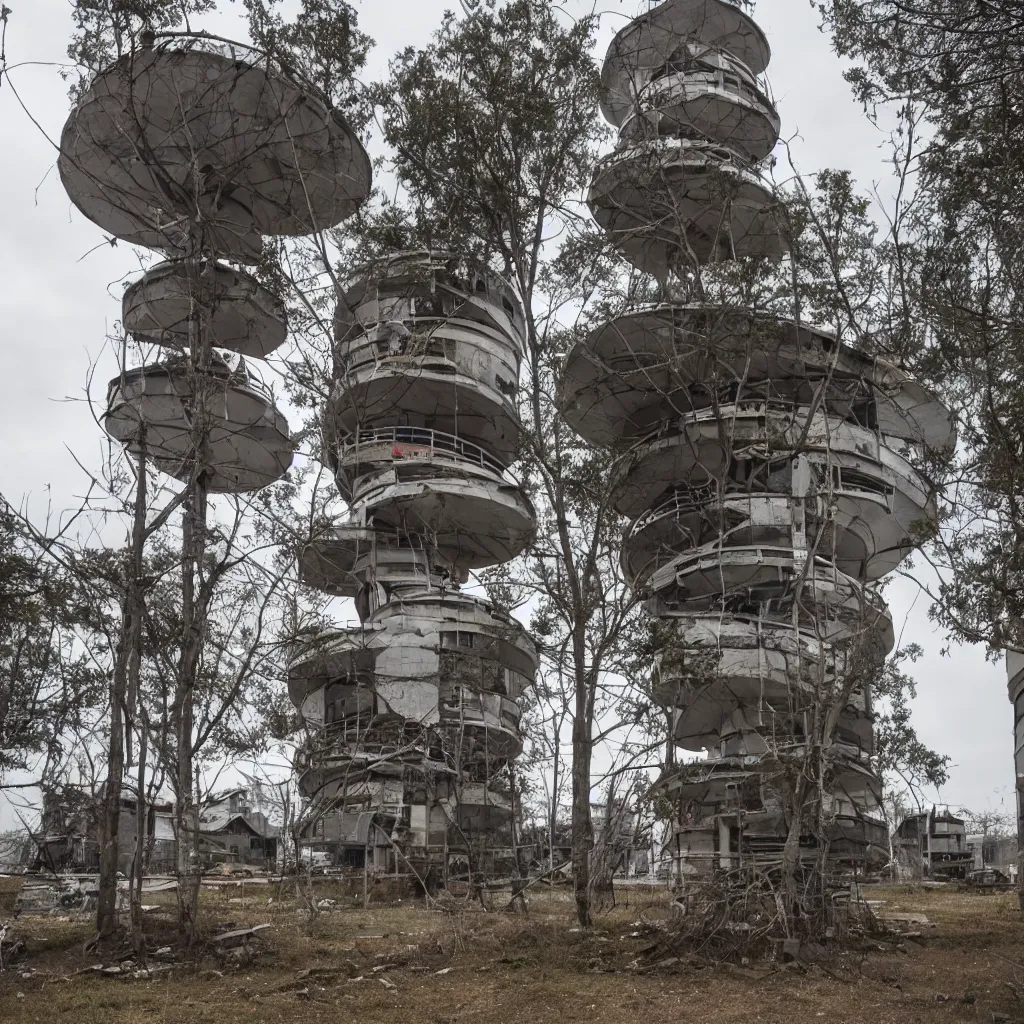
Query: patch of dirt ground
{"points": [[430, 966]]}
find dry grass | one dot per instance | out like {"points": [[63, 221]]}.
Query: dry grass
{"points": [[505, 968]]}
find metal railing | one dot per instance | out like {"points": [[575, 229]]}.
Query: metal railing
{"points": [[377, 344], [418, 443], [676, 504], [219, 377]]}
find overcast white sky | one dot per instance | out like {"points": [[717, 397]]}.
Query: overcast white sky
{"points": [[59, 295]]}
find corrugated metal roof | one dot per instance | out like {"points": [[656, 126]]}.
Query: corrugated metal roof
{"points": [[354, 827], [213, 821]]}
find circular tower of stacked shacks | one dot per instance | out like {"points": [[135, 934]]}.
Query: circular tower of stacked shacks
{"points": [[197, 148], [765, 466], [419, 705]]}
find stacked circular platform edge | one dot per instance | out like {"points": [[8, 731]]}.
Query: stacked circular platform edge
{"points": [[198, 148], [766, 468]]}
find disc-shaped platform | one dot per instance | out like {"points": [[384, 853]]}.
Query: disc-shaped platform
{"points": [[724, 673], [874, 503], [773, 580], [237, 312], [349, 558], [447, 345], [856, 839], [715, 780], [668, 203], [364, 773], [697, 104], [866, 527], [486, 728], [865, 544], [481, 807], [367, 451], [647, 43], [656, 364], [429, 394], [469, 625], [248, 445], [198, 130], [328, 561], [342, 654], [474, 520]]}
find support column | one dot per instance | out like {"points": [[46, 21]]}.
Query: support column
{"points": [[1015, 691], [724, 855]]}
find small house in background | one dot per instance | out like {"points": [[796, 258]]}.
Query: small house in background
{"points": [[70, 832], [68, 835], [992, 851], [16, 851], [624, 844], [233, 833], [934, 845]]}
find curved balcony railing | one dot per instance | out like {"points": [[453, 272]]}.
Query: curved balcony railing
{"points": [[771, 431], [773, 581], [422, 284], [473, 710], [427, 335], [683, 81], [786, 745], [415, 443], [679, 503], [646, 159], [383, 345], [477, 794], [219, 374]]}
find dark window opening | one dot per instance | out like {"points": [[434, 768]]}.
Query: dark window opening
{"points": [[353, 858], [865, 412]]}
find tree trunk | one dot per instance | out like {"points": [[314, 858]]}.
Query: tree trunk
{"points": [[553, 810], [141, 838], [582, 825], [137, 597], [125, 677], [194, 605], [106, 909], [186, 811], [791, 850]]}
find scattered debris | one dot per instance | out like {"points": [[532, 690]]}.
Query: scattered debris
{"points": [[12, 947], [65, 895], [349, 968], [239, 936], [988, 879], [129, 970], [893, 918]]}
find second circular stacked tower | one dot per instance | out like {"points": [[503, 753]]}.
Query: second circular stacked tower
{"points": [[766, 468]]}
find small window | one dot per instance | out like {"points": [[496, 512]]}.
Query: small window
{"points": [[466, 639], [865, 412]]}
